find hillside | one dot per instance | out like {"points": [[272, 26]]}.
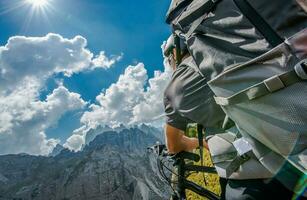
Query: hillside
{"points": [[112, 166]]}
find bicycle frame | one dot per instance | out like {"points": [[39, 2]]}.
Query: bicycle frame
{"points": [[184, 184], [183, 167]]}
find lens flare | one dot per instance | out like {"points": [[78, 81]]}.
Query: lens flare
{"points": [[40, 10], [38, 3]]}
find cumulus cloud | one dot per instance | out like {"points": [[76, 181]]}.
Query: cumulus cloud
{"points": [[32, 57], [76, 141], [25, 65], [27, 62], [102, 61], [128, 101], [151, 109], [115, 105], [29, 118], [39, 57]]}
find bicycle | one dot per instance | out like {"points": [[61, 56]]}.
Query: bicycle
{"points": [[183, 168]]}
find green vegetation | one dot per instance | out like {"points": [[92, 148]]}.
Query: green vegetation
{"points": [[212, 180]]}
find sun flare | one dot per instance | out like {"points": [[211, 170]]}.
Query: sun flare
{"points": [[38, 3]]}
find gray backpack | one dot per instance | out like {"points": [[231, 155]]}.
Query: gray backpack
{"points": [[267, 98], [258, 79]]}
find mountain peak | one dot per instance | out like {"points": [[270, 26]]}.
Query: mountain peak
{"points": [[57, 150], [104, 169], [93, 133], [128, 139]]}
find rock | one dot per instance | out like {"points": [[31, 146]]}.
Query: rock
{"points": [[3, 179], [114, 165], [57, 150]]}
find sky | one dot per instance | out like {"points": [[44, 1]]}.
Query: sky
{"points": [[70, 66]]}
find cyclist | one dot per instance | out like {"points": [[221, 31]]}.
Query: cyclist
{"points": [[188, 99], [182, 98], [185, 99]]}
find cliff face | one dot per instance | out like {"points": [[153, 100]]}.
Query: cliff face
{"points": [[57, 150], [114, 165], [93, 133]]}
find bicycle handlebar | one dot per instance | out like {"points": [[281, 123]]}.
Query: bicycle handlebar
{"points": [[160, 150], [186, 155]]}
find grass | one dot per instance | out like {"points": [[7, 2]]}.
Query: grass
{"points": [[212, 180]]}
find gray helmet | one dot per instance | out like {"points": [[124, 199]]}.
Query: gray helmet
{"points": [[171, 44]]}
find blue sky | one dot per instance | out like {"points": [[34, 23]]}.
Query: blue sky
{"points": [[135, 29]]}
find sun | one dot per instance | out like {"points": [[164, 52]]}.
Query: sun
{"points": [[38, 3], [36, 9], [40, 10]]}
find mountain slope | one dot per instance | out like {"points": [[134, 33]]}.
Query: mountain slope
{"points": [[113, 166]]}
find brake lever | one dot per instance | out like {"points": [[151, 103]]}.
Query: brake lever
{"points": [[157, 149]]}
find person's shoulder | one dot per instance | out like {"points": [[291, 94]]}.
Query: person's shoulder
{"points": [[188, 65], [186, 68], [187, 62]]}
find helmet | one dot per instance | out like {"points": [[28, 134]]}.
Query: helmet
{"points": [[172, 42], [169, 45]]}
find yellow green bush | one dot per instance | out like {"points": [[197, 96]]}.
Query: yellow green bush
{"points": [[212, 180]]}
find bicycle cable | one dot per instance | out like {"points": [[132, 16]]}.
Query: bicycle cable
{"points": [[161, 168], [162, 173]]}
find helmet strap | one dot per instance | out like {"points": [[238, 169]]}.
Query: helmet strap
{"points": [[178, 50]]}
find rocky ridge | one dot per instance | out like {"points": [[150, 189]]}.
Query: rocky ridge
{"points": [[115, 165]]}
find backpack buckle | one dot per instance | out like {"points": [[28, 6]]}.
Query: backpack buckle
{"points": [[242, 146], [273, 83], [301, 69]]}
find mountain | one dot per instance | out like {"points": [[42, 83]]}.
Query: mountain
{"points": [[57, 149], [115, 165], [92, 133], [152, 130]]}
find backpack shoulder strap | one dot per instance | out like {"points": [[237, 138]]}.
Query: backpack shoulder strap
{"points": [[192, 17], [260, 24]]}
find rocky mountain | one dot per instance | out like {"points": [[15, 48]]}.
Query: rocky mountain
{"points": [[57, 150], [115, 165], [92, 133], [152, 130]]}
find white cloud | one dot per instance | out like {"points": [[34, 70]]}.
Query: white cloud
{"points": [[151, 109], [128, 102], [102, 61], [29, 118], [77, 139], [25, 64], [115, 105], [39, 57], [5, 121], [75, 142]]}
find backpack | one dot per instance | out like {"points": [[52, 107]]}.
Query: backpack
{"points": [[239, 48], [266, 97]]}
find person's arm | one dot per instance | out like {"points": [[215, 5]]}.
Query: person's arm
{"points": [[176, 141]]}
